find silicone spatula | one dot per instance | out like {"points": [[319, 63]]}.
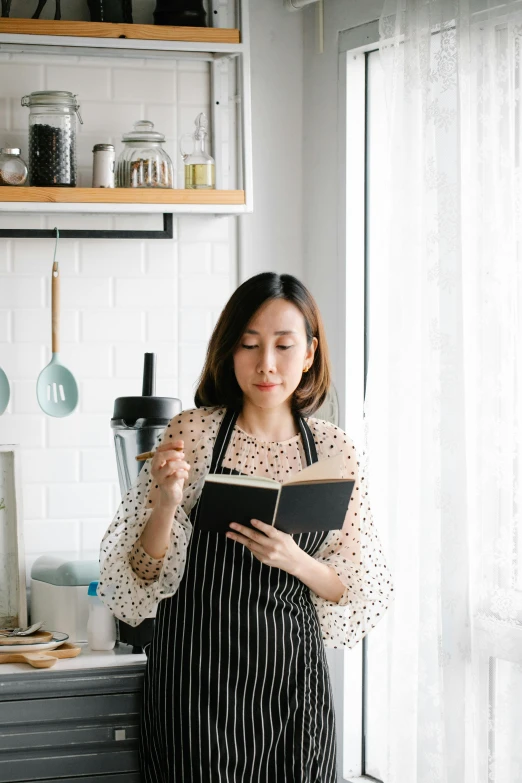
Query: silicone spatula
{"points": [[56, 387], [5, 391]]}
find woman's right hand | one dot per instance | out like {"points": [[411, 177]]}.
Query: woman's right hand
{"points": [[169, 470]]}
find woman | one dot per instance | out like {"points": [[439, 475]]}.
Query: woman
{"points": [[236, 684]]}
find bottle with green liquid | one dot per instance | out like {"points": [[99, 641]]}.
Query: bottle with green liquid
{"points": [[200, 168]]}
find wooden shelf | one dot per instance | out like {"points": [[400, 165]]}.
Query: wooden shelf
{"points": [[120, 196], [144, 32], [138, 200]]}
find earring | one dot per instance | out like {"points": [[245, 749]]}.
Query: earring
{"points": [[305, 369]]}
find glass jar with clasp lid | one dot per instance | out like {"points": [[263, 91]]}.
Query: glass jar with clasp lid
{"points": [[52, 137], [13, 170], [143, 163]]}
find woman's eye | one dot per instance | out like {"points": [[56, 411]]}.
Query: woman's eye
{"points": [[284, 347]]}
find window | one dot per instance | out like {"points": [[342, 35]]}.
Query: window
{"points": [[498, 656]]}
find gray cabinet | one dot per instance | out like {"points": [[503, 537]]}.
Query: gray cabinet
{"points": [[71, 726]]}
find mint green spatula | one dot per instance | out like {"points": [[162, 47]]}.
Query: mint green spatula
{"points": [[56, 388], [5, 391]]}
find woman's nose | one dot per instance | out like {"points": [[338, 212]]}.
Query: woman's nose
{"points": [[267, 361]]}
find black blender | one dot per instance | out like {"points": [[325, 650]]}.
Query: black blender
{"points": [[137, 423]]}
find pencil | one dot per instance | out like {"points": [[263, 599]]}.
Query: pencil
{"points": [[149, 455]]}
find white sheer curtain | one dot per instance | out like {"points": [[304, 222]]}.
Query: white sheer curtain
{"points": [[444, 397]]}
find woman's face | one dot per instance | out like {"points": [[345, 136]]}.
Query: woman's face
{"points": [[272, 354]]}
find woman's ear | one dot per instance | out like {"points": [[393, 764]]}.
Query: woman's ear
{"points": [[309, 357]]}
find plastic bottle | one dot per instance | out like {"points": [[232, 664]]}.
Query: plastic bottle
{"points": [[101, 626]]}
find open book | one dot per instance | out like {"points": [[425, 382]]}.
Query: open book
{"points": [[316, 498]]}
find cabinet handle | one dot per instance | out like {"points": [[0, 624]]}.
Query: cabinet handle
{"points": [[119, 734]]}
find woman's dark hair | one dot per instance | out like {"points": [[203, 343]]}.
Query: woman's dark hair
{"points": [[217, 385]]}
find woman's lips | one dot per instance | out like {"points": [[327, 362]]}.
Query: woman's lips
{"points": [[266, 386]]}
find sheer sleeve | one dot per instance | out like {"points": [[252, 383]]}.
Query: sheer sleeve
{"points": [[355, 552], [130, 588]]}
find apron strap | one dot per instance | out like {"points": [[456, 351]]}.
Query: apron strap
{"points": [[308, 441], [225, 433]]}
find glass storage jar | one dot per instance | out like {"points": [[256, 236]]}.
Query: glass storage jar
{"points": [[52, 138], [13, 170], [200, 169], [143, 163]]}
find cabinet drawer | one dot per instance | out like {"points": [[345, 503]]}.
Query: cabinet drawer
{"points": [[32, 712], [40, 765], [85, 735], [125, 777]]}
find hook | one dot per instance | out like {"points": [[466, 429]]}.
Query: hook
{"points": [[55, 262]]}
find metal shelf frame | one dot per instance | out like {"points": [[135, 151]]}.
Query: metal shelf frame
{"points": [[50, 233], [231, 130]]}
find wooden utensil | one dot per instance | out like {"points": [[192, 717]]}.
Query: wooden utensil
{"points": [[150, 454], [39, 637], [56, 387], [42, 660]]}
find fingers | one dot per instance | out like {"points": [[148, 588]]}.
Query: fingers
{"points": [[160, 459], [253, 534], [249, 543], [178, 468], [169, 465], [172, 479], [268, 530]]}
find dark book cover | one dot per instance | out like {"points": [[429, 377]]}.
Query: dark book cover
{"points": [[303, 508], [221, 504]]}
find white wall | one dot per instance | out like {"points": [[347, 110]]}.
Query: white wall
{"points": [[321, 142], [122, 298], [273, 233]]}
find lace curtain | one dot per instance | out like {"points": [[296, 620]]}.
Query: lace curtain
{"points": [[444, 397]]}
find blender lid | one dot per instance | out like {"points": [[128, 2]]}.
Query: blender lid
{"points": [[132, 409]]}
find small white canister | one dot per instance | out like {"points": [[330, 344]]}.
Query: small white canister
{"points": [[104, 164]]}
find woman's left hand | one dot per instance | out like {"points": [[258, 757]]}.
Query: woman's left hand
{"points": [[269, 545]]}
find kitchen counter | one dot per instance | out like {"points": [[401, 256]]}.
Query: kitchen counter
{"points": [[78, 720], [88, 659]]}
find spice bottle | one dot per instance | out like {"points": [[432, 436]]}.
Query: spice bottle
{"points": [[200, 169], [103, 166], [13, 170]]}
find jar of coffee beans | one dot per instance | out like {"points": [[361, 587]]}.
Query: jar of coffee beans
{"points": [[52, 138], [143, 163]]}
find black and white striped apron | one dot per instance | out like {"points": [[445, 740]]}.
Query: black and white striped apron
{"points": [[237, 688]]}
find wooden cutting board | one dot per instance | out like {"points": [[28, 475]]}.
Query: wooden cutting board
{"points": [[34, 638], [44, 659]]}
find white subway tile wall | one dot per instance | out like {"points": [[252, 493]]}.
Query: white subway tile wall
{"points": [[119, 298]]}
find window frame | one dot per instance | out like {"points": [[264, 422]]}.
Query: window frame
{"points": [[355, 44]]}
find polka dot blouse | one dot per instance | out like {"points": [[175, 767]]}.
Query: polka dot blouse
{"points": [[131, 582]]}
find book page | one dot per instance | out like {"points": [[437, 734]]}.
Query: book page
{"points": [[324, 470], [243, 481]]}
